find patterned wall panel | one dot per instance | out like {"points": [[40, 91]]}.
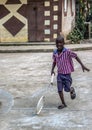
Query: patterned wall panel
{"points": [[16, 23], [3, 11], [52, 19], [14, 26], [13, 2], [22, 10]]}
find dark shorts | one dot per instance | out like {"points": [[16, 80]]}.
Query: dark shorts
{"points": [[64, 81]]}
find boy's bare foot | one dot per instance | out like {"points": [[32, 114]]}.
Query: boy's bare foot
{"points": [[62, 106], [72, 93]]}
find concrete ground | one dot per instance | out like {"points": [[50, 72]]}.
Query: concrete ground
{"points": [[27, 76]]}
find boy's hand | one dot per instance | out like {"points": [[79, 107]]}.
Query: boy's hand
{"points": [[85, 68], [52, 72]]}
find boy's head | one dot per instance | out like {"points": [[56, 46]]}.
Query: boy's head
{"points": [[60, 42]]}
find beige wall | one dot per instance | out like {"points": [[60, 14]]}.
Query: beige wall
{"points": [[22, 35], [68, 20]]}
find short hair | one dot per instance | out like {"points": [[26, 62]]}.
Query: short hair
{"points": [[60, 39]]}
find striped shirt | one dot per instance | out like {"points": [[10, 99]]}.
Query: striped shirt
{"points": [[64, 61]]}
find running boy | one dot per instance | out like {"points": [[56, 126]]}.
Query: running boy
{"points": [[62, 57]]}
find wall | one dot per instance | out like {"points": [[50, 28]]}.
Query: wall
{"points": [[13, 20], [17, 32], [68, 18]]}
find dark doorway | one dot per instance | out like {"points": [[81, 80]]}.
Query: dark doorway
{"points": [[35, 13]]}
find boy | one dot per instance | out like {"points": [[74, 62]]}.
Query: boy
{"points": [[62, 57]]}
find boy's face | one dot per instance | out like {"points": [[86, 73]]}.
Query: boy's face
{"points": [[60, 46]]}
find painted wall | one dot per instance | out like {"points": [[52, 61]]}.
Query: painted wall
{"points": [[12, 13], [68, 17], [8, 14]]}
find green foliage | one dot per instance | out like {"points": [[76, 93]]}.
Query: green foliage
{"points": [[78, 31], [75, 36], [80, 24]]}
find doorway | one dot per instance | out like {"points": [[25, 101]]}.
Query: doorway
{"points": [[44, 20], [35, 12]]}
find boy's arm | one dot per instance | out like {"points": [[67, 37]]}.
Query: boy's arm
{"points": [[53, 66], [82, 65]]}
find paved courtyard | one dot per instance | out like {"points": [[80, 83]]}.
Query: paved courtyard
{"points": [[27, 76]]}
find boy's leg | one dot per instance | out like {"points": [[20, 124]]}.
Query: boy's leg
{"points": [[68, 88], [72, 93], [60, 91], [61, 95], [67, 81]]}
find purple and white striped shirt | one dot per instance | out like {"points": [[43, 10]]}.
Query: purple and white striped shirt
{"points": [[64, 61]]}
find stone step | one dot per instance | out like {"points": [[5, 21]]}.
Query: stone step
{"points": [[41, 47]]}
